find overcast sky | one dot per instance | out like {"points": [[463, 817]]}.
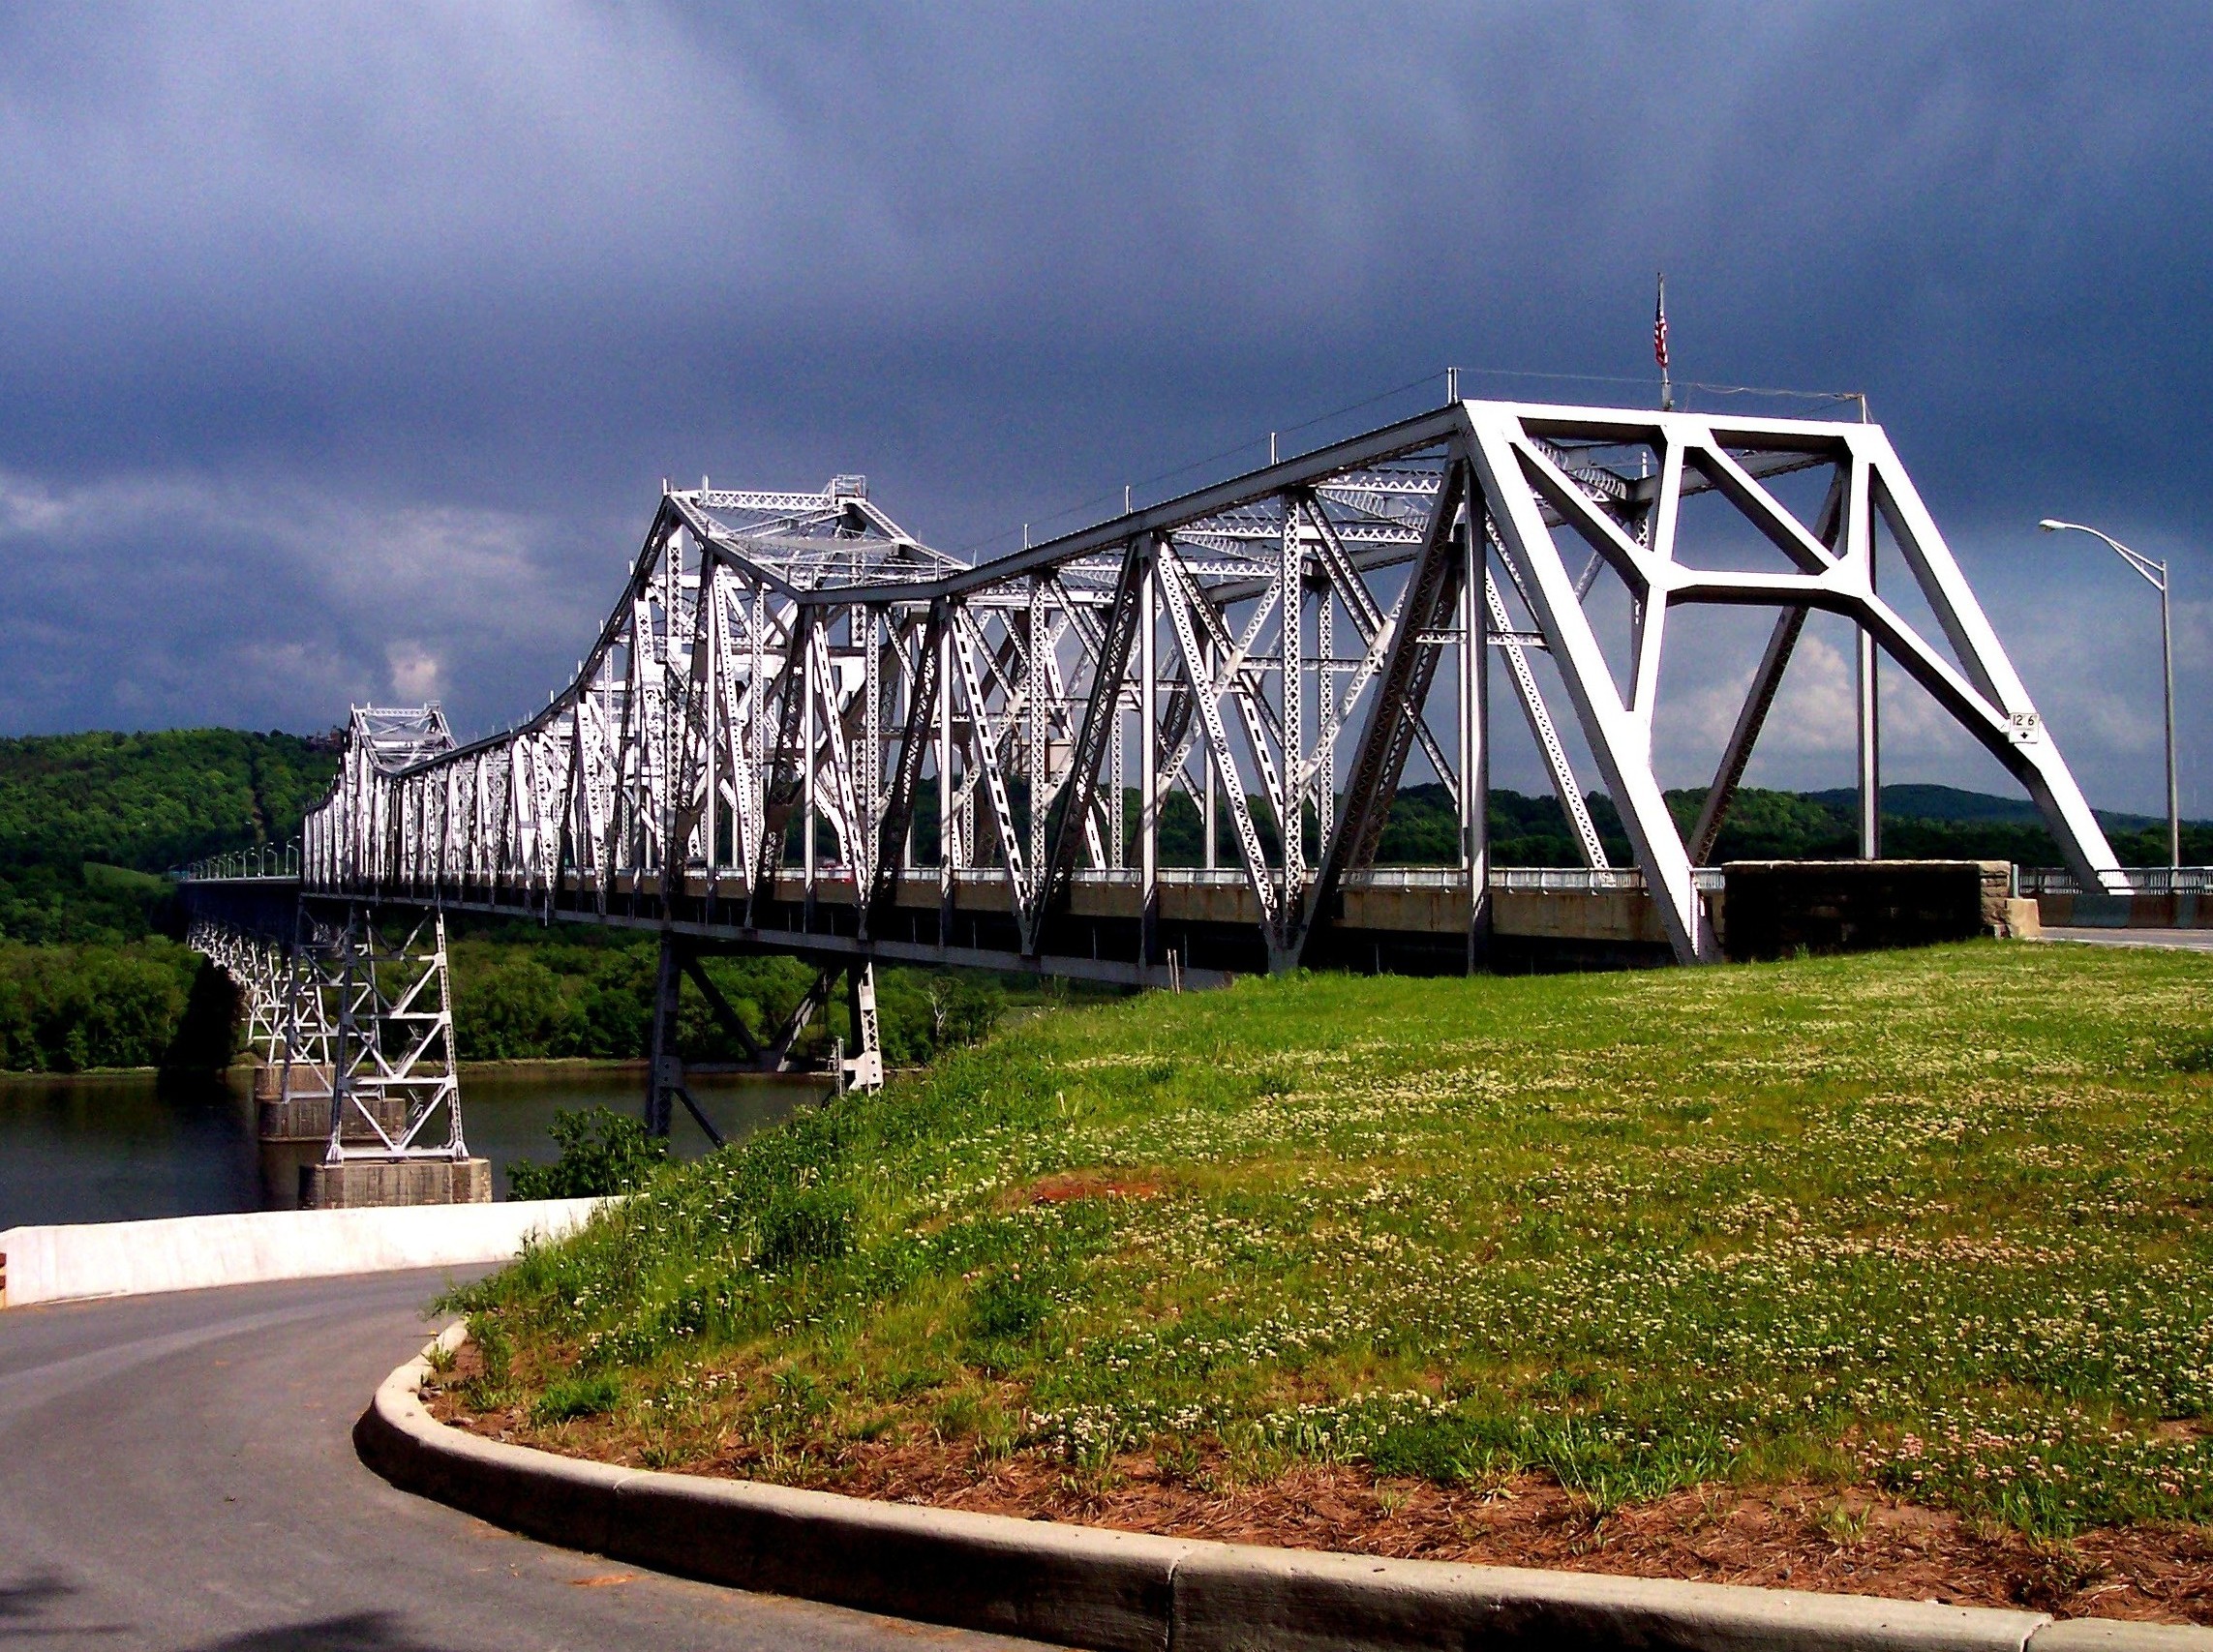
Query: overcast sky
{"points": [[343, 350]]}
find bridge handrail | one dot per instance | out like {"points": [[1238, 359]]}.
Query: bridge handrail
{"points": [[280, 863], [263, 863], [2141, 881]]}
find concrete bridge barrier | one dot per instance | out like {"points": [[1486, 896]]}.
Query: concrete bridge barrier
{"points": [[65, 1262]]}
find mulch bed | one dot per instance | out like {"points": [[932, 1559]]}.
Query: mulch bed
{"points": [[1855, 1541]]}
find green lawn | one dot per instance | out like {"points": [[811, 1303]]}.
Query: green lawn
{"points": [[1932, 1221]]}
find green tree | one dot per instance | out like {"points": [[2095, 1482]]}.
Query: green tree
{"points": [[514, 1009], [602, 1152]]}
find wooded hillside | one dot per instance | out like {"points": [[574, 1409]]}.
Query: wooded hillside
{"points": [[89, 822]]}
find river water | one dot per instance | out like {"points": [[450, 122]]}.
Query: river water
{"points": [[119, 1147]]}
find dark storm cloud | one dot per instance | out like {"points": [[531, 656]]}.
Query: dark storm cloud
{"points": [[341, 349]]}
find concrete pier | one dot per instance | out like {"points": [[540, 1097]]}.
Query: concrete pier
{"points": [[361, 1183], [307, 1118], [269, 1079], [305, 1115]]}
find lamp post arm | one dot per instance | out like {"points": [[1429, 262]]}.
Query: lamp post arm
{"points": [[2154, 573]]}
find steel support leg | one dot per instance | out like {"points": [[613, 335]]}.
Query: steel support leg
{"points": [[864, 1067], [664, 1069]]}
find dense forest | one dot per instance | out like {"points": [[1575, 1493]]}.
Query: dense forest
{"points": [[1920, 822], [92, 974], [525, 994], [89, 822]]}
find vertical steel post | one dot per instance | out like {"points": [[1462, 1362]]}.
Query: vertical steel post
{"points": [[807, 687], [1475, 728], [456, 1142], [664, 1071], [1870, 753], [1037, 759], [1148, 737], [1871, 726], [863, 1069], [1326, 712], [1290, 813], [707, 633], [757, 694], [2167, 665], [863, 626], [1117, 829], [945, 838], [346, 1053], [1206, 757], [902, 688]]}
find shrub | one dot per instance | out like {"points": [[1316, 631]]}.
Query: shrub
{"points": [[813, 1225], [602, 1152], [1007, 1306]]}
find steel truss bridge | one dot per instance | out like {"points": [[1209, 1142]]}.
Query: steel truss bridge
{"points": [[803, 730]]}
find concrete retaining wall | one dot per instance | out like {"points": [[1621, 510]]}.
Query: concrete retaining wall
{"points": [[187, 1254], [1775, 907], [1558, 914]]}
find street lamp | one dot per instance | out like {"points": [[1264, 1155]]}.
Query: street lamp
{"points": [[2156, 574]]}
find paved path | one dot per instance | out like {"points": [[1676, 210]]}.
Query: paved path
{"points": [[177, 1472], [2183, 939]]}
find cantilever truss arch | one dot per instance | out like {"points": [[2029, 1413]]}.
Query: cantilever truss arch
{"points": [[802, 730]]}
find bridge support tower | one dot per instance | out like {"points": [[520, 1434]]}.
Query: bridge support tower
{"points": [[349, 1023], [666, 1085]]}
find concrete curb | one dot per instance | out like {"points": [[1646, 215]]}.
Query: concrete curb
{"points": [[1125, 1591]]}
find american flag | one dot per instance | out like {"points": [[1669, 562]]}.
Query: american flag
{"points": [[1659, 328]]}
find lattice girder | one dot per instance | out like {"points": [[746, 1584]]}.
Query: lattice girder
{"points": [[763, 661]]}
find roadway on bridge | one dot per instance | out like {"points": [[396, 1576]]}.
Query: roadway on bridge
{"points": [[179, 1472], [2177, 940]]}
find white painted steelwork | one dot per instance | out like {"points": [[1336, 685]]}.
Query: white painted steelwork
{"points": [[352, 1009], [786, 676]]}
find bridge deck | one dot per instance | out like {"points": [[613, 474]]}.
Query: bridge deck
{"points": [[1411, 920]]}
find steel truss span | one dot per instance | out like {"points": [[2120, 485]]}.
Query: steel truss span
{"points": [[1277, 647]]}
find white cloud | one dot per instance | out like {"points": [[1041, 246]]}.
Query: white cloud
{"points": [[414, 672]]}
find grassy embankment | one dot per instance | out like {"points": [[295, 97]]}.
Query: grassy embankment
{"points": [[1929, 1225]]}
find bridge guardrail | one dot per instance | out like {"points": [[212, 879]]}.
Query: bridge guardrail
{"points": [[280, 864], [2141, 881], [273, 862]]}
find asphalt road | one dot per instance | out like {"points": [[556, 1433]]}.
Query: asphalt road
{"points": [[2179, 939], [177, 1472]]}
